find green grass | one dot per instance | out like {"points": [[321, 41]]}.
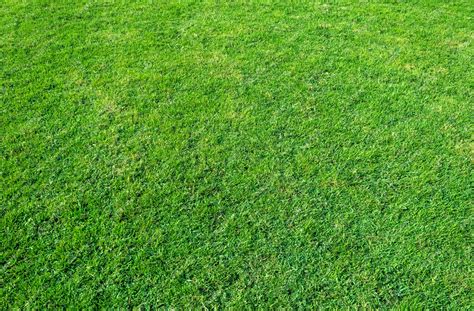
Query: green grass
{"points": [[189, 154]]}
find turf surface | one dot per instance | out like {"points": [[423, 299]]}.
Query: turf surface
{"points": [[236, 154]]}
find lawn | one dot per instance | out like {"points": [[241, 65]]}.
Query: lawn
{"points": [[231, 154]]}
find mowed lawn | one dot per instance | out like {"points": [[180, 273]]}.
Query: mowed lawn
{"points": [[236, 154]]}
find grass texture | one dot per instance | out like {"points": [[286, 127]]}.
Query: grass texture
{"points": [[237, 155]]}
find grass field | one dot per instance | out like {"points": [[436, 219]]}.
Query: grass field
{"points": [[188, 154]]}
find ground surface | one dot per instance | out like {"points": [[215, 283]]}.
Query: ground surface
{"points": [[226, 155]]}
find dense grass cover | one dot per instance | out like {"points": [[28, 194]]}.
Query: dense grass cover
{"points": [[236, 154]]}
